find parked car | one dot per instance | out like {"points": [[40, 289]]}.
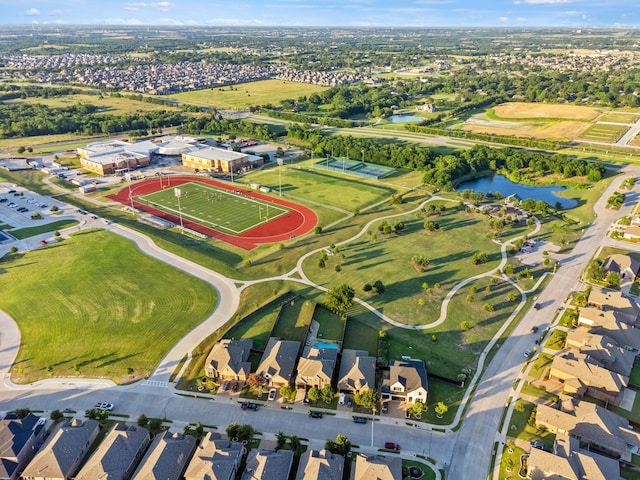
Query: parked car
{"points": [[541, 446], [43, 242], [234, 388], [249, 406], [391, 446], [341, 399], [534, 329], [527, 353], [315, 414], [359, 420], [536, 306], [349, 402], [104, 406], [385, 408], [272, 394], [225, 386]]}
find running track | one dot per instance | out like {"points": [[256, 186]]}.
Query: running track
{"points": [[298, 221]]}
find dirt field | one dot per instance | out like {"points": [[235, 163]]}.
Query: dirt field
{"points": [[556, 130], [544, 110]]}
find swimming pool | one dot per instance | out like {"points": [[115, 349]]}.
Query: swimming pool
{"points": [[325, 345]]}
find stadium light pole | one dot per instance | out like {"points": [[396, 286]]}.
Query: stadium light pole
{"points": [[178, 194], [362, 156], [130, 195], [280, 162]]}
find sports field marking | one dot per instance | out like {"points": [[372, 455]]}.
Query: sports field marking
{"points": [[234, 212]]}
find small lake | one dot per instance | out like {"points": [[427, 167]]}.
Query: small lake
{"points": [[404, 118], [500, 183]]}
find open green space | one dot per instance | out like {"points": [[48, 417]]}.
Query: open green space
{"points": [[604, 132], [360, 336], [522, 425], [43, 228], [331, 325], [541, 363], [538, 392], [557, 340], [243, 95], [618, 117], [294, 320], [213, 207], [84, 306], [634, 376], [428, 473], [322, 187], [510, 462]]}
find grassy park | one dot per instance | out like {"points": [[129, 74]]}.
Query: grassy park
{"points": [[242, 95], [44, 228], [84, 306], [604, 133]]}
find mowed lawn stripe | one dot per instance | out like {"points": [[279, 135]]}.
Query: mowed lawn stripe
{"points": [[220, 209], [95, 306]]}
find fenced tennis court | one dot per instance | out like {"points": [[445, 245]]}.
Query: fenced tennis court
{"points": [[227, 211], [354, 167]]}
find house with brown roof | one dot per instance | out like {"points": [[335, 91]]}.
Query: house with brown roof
{"points": [[624, 265], [597, 429], [228, 360], [370, 466], [632, 233], [590, 316], [278, 361], [320, 465], [580, 374], [602, 349], [569, 461], [357, 371], [407, 382], [215, 459], [315, 369], [167, 457], [63, 451], [611, 325], [117, 455], [263, 464], [17, 439], [606, 299]]}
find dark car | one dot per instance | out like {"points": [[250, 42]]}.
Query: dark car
{"points": [[391, 446], [249, 406], [234, 388], [534, 329], [359, 420], [385, 408], [537, 306], [349, 402], [541, 446], [315, 414]]}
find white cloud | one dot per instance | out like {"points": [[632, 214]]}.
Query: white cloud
{"points": [[503, 19], [32, 12], [162, 6]]}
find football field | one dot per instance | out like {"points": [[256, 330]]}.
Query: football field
{"points": [[227, 211]]}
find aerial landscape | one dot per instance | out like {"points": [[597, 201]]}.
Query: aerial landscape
{"points": [[244, 245]]}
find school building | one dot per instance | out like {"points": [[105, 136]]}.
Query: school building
{"points": [[219, 160]]}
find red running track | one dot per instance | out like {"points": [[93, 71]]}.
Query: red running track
{"points": [[298, 221]]}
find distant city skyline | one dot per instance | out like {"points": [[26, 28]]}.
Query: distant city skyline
{"points": [[339, 13]]}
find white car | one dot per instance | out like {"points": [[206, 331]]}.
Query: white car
{"points": [[527, 353], [272, 394], [104, 406]]}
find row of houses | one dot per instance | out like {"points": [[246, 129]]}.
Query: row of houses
{"points": [[282, 363], [128, 452], [113, 157], [597, 360]]}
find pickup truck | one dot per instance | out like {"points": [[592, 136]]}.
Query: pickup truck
{"points": [[249, 406]]}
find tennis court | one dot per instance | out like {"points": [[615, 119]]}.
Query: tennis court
{"points": [[354, 167], [228, 211]]}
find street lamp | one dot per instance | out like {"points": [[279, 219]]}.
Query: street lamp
{"points": [[178, 194], [280, 162]]}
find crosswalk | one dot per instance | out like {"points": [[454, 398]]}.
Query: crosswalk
{"points": [[156, 383]]}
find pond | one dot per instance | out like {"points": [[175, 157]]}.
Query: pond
{"points": [[500, 183], [404, 118]]}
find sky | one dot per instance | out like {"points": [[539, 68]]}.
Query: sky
{"points": [[340, 13]]}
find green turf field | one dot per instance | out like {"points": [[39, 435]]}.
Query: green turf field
{"points": [[604, 132], [222, 210], [95, 306]]}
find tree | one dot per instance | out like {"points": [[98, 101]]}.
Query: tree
{"points": [[340, 298], [596, 269], [378, 286], [327, 393], [341, 445], [613, 279], [155, 424], [143, 420], [56, 415], [22, 412], [441, 408], [245, 432], [281, 439], [295, 443], [287, 391], [232, 430], [367, 398], [417, 408], [313, 394], [255, 382]]}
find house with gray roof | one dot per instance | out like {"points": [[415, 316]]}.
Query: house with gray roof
{"points": [[63, 451], [17, 437], [278, 361], [603, 349], [320, 465], [167, 457], [600, 429], [407, 382], [369, 466], [228, 360], [315, 369], [215, 459], [117, 455], [624, 265], [357, 371], [265, 464]]}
